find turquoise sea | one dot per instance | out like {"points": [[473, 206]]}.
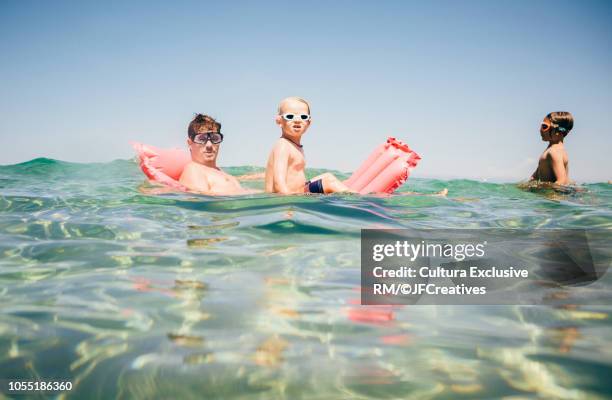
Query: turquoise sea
{"points": [[132, 294]]}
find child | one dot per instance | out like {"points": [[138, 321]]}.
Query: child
{"points": [[553, 163], [286, 163], [202, 174]]}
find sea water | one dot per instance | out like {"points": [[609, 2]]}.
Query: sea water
{"points": [[131, 293]]}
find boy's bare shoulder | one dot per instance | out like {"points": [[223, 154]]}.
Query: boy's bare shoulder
{"points": [[280, 144], [556, 152]]}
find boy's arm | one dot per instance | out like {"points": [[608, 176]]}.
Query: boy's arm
{"points": [[535, 175], [558, 167], [281, 163]]}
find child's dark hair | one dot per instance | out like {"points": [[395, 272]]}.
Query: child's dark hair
{"points": [[562, 121], [202, 121]]}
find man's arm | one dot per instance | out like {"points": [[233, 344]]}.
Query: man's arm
{"points": [[240, 189], [257, 176], [558, 167]]}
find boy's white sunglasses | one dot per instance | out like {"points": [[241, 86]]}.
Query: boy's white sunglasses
{"points": [[296, 117]]}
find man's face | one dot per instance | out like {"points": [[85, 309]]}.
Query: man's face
{"points": [[204, 153], [296, 126]]}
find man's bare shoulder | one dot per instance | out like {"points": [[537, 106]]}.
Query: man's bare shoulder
{"points": [[192, 166], [194, 170], [194, 177]]}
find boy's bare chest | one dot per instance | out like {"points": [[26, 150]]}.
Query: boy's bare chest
{"points": [[296, 159], [546, 155]]}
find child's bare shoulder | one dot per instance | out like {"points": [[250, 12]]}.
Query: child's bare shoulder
{"points": [[555, 152], [281, 144]]}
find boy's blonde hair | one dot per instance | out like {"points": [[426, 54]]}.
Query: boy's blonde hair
{"points": [[294, 98]]}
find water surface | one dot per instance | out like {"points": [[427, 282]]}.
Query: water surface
{"points": [[130, 294]]}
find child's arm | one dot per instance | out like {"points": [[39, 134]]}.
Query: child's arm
{"points": [[281, 163], [558, 167]]}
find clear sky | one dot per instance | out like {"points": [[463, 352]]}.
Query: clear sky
{"points": [[465, 83]]}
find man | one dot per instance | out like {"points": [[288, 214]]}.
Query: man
{"points": [[202, 174]]}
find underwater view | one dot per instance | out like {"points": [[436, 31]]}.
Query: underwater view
{"points": [[130, 292]]}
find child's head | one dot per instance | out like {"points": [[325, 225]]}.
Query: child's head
{"points": [[556, 125], [293, 116]]}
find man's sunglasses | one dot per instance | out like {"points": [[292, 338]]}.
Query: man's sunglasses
{"points": [[296, 117], [202, 138]]}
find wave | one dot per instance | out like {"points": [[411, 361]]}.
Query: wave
{"points": [[46, 168]]}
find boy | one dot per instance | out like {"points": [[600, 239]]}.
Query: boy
{"points": [[286, 163], [202, 174], [553, 163]]}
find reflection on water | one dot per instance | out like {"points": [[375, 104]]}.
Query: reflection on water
{"points": [[136, 294]]}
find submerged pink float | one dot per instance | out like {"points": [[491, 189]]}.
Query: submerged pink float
{"points": [[386, 169]]}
